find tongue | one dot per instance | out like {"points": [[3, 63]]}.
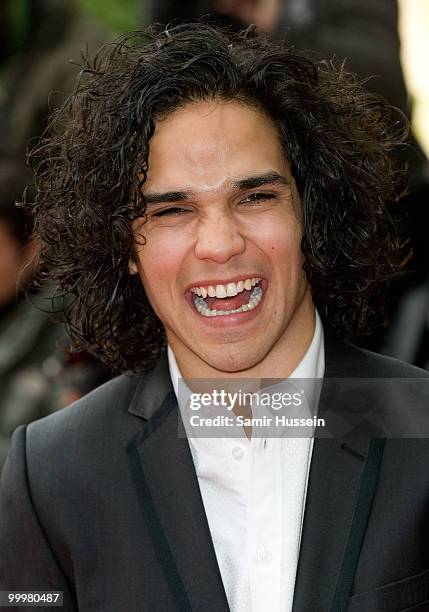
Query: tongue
{"points": [[229, 303]]}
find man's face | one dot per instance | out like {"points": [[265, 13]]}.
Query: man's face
{"points": [[11, 262], [224, 216]]}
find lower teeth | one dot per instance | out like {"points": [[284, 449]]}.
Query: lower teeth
{"points": [[205, 311]]}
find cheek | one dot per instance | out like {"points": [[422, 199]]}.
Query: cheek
{"points": [[280, 238], [281, 243], [159, 263]]}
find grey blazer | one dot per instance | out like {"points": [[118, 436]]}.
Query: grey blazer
{"points": [[101, 501]]}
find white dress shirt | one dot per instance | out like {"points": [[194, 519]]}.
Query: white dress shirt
{"points": [[254, 495]]}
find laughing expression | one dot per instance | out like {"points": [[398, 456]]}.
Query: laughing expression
{"points": [[220, 258]]}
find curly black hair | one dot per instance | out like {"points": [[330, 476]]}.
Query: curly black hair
{"points": [[340, 140]]}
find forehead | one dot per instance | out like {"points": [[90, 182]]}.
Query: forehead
{"points": [[204, 145]]}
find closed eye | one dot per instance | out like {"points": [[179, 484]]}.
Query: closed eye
{"points": [[254, 198], [173, 211]]}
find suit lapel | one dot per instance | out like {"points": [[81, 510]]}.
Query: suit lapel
{"points": [[168, 491], [342, 482]]}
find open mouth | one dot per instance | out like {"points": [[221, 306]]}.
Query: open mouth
{"points": [[231, 298]]}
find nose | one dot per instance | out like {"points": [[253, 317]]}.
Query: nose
{"points": [[219, 239]]}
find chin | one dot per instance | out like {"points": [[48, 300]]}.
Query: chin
{"points": [[232, 362]]}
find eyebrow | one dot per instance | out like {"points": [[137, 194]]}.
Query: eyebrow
{"points": [[259, 180], [249, 182]]}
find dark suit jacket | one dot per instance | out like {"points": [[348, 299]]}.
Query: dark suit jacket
{"points": [[101, 501]]}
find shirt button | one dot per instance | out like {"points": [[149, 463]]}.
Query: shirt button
{"points": [[263, 555], [237, 453]]}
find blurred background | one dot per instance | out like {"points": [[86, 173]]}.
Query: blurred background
{"points": [[41, 42]]}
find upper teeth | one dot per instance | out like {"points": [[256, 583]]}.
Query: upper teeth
{"points": [[205, 311], [228, 290]]}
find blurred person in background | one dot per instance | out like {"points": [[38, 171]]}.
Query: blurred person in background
{"points": [[363, 32], [37, 373], [27, 336], [38, 40]]}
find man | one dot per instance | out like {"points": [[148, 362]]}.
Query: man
{"points": [[208, 192]]}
